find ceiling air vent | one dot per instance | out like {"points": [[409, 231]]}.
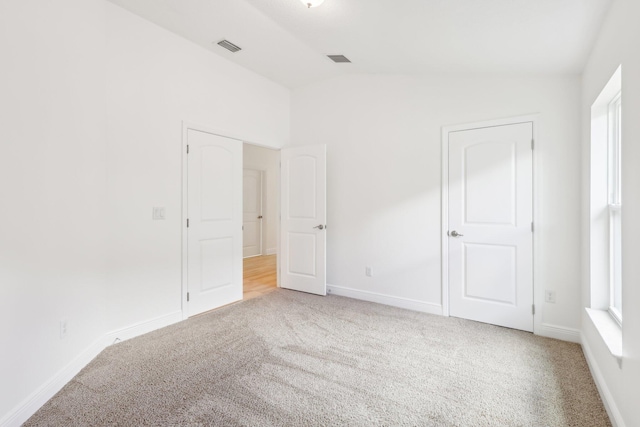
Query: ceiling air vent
{"points": [[229, 46], [338, 58]]}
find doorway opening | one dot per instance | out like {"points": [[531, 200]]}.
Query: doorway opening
{"points": [[261, 216], [212, 213]]}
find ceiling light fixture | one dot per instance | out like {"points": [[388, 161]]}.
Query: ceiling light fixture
{"points": [[312, 3]]}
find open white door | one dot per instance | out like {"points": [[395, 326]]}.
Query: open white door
{"points": [[490, 225], [303, 213], [252, 213], [214, 230]]}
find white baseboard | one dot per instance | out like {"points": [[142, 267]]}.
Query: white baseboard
{"points": [[31, 404], [46, 391], [558, 332], [605, 394], [407, 303], [271, 251], [144, 327]]}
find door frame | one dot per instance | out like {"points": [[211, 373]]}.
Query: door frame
{"points": [[538, 294], [186, 125]]}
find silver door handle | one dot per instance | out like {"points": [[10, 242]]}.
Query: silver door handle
{"points": [[320, 227], [454, 233]]}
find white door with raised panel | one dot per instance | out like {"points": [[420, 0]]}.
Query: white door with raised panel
{"points": [[303, 219], [214, 212], [490, 225], [252, 213]]}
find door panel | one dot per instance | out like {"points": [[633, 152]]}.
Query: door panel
{"points": [[490, 182], [303, 219], [252, 208], [490, 207], [490, 273], [214, 209]]}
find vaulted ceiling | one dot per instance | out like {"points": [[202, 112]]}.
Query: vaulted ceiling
{"points": [[286, 42]]}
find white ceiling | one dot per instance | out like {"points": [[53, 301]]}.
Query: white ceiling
{"points": [[287, 43]]}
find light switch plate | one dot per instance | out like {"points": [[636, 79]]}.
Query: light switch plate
{"points": [[158, 213]]}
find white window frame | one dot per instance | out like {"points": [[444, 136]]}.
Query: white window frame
{"points": [[615, 206]]}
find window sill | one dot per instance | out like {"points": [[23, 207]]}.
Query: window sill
{"points": [[609, 330]]}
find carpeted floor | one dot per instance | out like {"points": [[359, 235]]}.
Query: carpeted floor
{"points": [[293, 359]]}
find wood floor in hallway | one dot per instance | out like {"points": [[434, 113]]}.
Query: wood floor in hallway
{"points": [[259, 276]]}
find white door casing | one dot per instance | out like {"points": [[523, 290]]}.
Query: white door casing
{"points": [[214, 215], [252, 213], [490, 198], [303, 219]]}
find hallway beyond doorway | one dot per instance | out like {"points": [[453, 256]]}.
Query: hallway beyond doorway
{"points": [[259, 276]]}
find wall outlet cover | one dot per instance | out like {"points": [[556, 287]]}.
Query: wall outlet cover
{"points": [[158, 213]]}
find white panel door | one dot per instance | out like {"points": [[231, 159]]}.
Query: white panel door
{"points": [[303, 219], [490, 231], [252, 213], [214, 211]]}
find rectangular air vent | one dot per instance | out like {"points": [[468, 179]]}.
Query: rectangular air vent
{"points": [[229, 46], [338, 58]]}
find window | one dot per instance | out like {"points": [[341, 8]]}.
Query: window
{"points": [[605, 210], [614, 201]]}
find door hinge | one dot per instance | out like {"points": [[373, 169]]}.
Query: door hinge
{"points": [[532, 227], [533, 309], [187, 149], [532, 144], [187, 222], [187, 296]]}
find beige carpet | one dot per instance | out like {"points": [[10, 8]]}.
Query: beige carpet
{"points": [[292, 359]]}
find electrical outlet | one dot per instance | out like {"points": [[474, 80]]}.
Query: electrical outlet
{"points": [[368, 271], [550, 296], [63, 328]]}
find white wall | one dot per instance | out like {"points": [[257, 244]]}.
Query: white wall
{"points": [[52, 188], [92, 104], [384, 176], [617, 44], [268, 161], [155, 80]]}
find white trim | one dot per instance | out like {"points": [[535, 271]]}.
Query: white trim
{"points": [[559, 332], [185, 215], [25, 409], [444, 217], [410, 304], [538, 294], [605, 394], [609, 331], [271, 251], [143, 327]]}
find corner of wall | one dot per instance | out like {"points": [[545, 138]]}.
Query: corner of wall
{"points": [[605, 394], [39, 397]]}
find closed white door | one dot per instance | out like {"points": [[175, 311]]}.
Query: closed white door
{"points": [[490, 225], [214, 212], [252, 212], [303, 219]]}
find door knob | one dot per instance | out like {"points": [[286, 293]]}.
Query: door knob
{"points": [[260, 217], [320, 227], [454, 233]]}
